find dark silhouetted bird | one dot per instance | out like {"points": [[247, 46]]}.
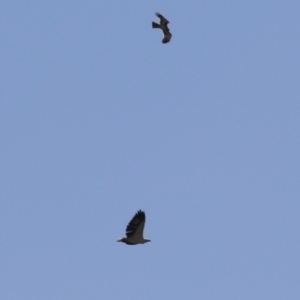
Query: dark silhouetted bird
{"points": [[164, 27], [134, 230]]}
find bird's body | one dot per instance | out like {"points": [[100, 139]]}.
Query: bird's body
{"points": [[134, 230], [164, 27]]}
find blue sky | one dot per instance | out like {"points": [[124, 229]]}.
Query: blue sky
{"points": [[99, 119]]}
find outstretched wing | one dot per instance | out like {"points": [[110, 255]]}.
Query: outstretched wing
{"points": [[163, 20], [136, 226]]}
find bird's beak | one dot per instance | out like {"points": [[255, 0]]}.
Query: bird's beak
{"points": [[119, 240]]}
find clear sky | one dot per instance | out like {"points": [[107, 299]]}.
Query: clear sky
{"points": [[99, 119]]}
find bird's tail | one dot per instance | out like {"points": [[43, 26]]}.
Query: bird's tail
{"points": [[155, 25]]}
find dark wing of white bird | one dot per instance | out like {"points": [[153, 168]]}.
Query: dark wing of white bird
{"points": [[135, 227]]}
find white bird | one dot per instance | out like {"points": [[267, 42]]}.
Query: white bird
{"points": [[134, 230]]}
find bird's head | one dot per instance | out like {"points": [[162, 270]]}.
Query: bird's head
{"points": [[146, 241], [121, 240]]}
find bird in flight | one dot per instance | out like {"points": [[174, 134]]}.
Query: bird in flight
{"points": [[164, 27], [134, 230]]}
